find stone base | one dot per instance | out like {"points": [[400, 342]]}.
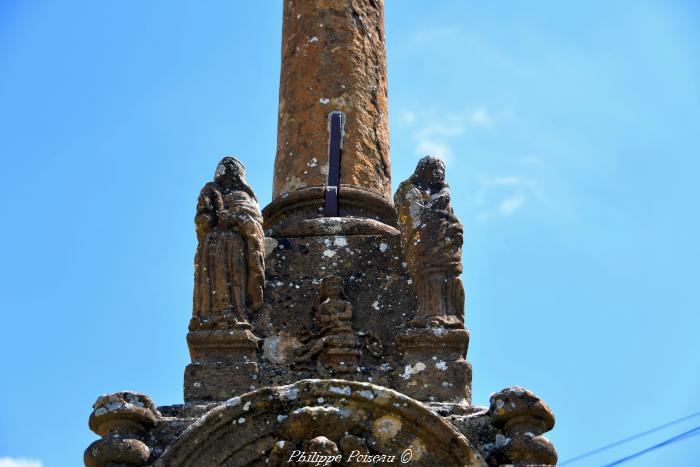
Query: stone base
{"points": [[221, 345], [219, 381], [433, 367], [301, 213]]}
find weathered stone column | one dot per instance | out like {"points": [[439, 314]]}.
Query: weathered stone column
{"points": [[333, 59]]}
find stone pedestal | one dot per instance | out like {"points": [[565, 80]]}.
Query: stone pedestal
{"points": [[224, 363], [433, 367]]}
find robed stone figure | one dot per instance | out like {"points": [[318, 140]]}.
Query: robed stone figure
{"points": [[230, 261], [431, 238]]}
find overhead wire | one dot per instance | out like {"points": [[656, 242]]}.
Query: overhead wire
{"points": [[628, 439], [675, 439]]}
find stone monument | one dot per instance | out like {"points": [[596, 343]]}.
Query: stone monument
{"points": [[327, 329]]}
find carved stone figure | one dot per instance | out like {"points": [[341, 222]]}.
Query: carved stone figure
{"points": [[336, 342], [230, 261], [431, 237]]}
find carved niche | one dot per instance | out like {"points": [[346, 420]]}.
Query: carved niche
{"points": [[334, 342]]}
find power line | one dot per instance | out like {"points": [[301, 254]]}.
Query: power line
{"points": [[682, 436], [628, 439]]}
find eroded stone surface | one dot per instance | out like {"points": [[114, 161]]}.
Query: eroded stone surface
{"points": [[350, 304], [431, 238], [329, 416], [333, 58]]}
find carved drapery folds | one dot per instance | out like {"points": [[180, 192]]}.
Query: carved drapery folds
{"points": [[230, 261], [435, 342], [228, 286], [431, 237]]}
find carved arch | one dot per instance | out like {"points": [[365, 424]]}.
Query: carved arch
{"points": [[263, 427]]}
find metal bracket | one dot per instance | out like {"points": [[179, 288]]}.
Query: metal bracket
{"points": [[336, 124]]}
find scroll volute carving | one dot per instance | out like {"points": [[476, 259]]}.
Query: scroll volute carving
{"points": [[431, 238], [230, 258]]}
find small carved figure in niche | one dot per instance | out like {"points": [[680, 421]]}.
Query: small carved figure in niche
{"points": [[431, 238], [336, 342], [230, 262]]}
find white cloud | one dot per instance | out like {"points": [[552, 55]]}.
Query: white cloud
{"points": [[435, 133], [511, 180], [451, 125], [433, 148], [502, 196], [511, 204], [407, 117], [19, 462], [481, 118]]}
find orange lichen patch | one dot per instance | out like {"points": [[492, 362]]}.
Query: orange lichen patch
{"points": [[333, 58], [387, 427]]}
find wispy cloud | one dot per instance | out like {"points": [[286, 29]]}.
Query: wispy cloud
{"points": [[19, 462], [433, 148], [511, 204], [435, 133], [481, 117], [503, 196]]}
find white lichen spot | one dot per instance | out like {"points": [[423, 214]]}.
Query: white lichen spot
{"points": [[375, 305], [324, 100], [411, 370], [313, 162], [345, 390], [246, 406], [501, 441], [241, 421], [234, 401], [281, 418], [441, 365], [313, 39], [409, 282], [499, 404], [290, 393], [340, 241], [367, 394], [328, 253], [383, 247]]}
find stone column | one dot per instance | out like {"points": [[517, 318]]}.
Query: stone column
{"points": [[333, 59]]}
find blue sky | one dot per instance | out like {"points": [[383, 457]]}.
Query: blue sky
{"points": [[571, 135]]}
